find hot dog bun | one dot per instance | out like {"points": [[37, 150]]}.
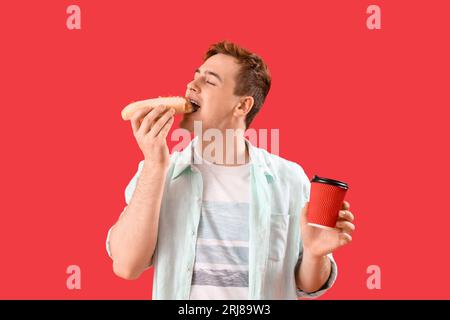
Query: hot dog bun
{"points": [[180, 104]]}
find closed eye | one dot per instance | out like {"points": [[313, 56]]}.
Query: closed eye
{"points": [[207, 81]]}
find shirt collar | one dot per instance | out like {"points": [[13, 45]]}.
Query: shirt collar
{"points": [[184, 160]]}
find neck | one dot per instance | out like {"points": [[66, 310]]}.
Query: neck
{"points": [[228, 148]]}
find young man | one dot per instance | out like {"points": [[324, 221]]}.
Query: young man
{"points": [[217, 229]]}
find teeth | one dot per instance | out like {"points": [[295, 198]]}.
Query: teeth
{"points": [[195, 104]]}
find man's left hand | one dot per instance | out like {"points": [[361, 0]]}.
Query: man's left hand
{"points": [[318, 242]]}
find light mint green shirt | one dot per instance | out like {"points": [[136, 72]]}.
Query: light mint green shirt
{"points": [[279, 190]]}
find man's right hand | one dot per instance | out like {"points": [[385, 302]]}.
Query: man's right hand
{"points": [[150, 128]]}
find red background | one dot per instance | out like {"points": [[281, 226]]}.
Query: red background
{"points": [[367, 107]]}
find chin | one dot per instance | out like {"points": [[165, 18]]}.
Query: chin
{"points": [[187, 124]]}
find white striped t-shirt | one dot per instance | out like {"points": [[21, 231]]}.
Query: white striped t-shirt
{"points": [[221, 260]]}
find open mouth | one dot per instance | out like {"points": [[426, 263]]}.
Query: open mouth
{"points": [[195, 105]]}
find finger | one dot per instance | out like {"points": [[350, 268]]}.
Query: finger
{"points": [[344, 238], [157, 126], [165, 130], [147, 122], [136, 119], [345, 226], [346, 215], [345, 205]]}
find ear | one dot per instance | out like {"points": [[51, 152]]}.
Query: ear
{"points": [[244, 106]]}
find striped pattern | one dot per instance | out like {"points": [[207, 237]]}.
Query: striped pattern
{"points": [[222, 252], [221, 261]]}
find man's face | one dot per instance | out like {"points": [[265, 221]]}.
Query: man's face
{"points": [[213, 87]]}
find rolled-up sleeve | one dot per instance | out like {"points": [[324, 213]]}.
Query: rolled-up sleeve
{"points": [[330, 282], [131, 187], [129, 190], [108, 249]]}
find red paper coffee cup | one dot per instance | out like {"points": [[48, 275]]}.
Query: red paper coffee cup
{"points": [[326, 198]]}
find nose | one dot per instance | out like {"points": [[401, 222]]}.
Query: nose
{"points": [[193, 86]]}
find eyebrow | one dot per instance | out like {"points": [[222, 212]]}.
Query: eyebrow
{"points": [[211, 73]]}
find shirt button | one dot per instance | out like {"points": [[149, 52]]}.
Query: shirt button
{"points": [[193, 233]]}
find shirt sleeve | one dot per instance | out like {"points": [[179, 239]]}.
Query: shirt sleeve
{"points": [[306, 189], [330, 282], [129, 190], [108, 249]]}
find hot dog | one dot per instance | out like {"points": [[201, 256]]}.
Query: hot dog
{"points": [[180, 104]]}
